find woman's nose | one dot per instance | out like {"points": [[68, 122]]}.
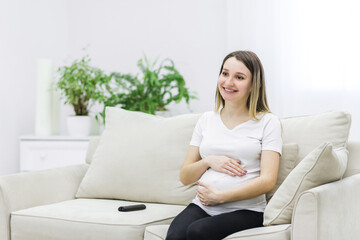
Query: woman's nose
{"points": [[230, 81]]}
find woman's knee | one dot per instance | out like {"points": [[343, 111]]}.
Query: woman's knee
{"points": [[196, 231], [175, 235]]}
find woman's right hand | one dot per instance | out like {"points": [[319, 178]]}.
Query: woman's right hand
{"points": [[225, 165]]}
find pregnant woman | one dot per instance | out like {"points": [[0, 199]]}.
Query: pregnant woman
{"points": [[233, 156]]}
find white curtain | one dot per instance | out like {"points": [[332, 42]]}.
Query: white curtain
{"points": [[310, 50]]}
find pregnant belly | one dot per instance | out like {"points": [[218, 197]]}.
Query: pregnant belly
{"points": [[222, 181]]}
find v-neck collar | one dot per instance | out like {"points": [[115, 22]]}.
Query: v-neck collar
{"points": [[234, 128]]}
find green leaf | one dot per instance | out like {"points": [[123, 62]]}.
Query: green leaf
{"points": [[149, 90]]}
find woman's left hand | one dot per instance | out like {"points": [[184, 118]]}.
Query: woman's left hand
{"points": [[208, 195]]}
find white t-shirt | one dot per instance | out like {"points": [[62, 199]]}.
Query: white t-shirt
{"points": [[244, 143]]}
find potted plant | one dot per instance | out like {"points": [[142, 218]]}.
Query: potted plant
{"points": [[150, 91], [81, 85]]}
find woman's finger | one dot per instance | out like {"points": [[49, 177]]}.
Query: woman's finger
{"points": [[238, 168], [229, 170], [201, 184], [233, 170]]}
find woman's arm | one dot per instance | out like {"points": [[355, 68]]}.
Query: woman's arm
{"points": [[194, 167], [260, 185]]}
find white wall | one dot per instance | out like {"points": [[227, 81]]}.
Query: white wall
{"points": [[29, 30], [196, 35], [117, 33], [310, 51]]}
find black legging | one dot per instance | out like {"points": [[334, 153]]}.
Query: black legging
{"points": [[193, 223]]}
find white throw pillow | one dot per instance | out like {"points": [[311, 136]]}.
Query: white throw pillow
{"points": [[139, 157], [287, 164], [93, 144], [323, 165]]}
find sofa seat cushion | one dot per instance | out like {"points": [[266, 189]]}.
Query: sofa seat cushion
{"points": [[88, 219], [279, 232]]}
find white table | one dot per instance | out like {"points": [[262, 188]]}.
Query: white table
{"points": [[44, 152]]}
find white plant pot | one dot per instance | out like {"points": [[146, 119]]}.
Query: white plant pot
{"points": [[79, 126]]}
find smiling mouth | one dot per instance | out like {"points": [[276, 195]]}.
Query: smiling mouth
{"points": [[229, 90]]}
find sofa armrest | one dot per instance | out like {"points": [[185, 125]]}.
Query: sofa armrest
{"points": [[30, 189], [330, 211]]}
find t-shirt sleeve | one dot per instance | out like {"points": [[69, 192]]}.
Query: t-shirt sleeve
{"points": [[198, 131], [272, 135]]}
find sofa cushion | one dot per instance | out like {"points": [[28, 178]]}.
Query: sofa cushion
{"points": [[288, 159], [353, 166], [324, 164], [280, 232], [89, 219], [93, 144], [312, 130], [307, 131], [139, 157]]}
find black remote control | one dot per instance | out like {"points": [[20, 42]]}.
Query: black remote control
{"points": [[132, 208]]}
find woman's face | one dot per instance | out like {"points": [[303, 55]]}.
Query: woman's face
{"points": [[234, 82]]}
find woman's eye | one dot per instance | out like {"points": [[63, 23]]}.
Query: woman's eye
{"points": [[225, 73], [239, 77]]}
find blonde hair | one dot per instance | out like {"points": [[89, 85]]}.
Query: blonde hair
{"points": [[257, 102]]}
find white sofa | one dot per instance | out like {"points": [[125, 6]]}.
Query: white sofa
{"points": [[81, 202]]}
